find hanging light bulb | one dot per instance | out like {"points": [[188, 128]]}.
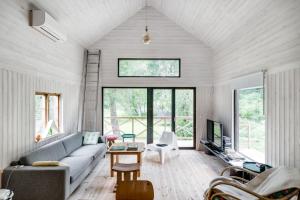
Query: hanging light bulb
{"points": [[146, 38]]}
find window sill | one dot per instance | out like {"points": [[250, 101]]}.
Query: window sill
{"points": [[51, 138], [251, 159]]}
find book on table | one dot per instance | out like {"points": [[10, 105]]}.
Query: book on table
{"points": [[132, 147], [117, 148]]}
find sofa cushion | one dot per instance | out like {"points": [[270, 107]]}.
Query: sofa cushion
{"points": [[77, 164], [72, 142], [51, 152], [90, 150], [91, 138]]}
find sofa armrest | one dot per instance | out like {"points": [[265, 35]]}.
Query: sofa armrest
{"points": [[37, 183]]}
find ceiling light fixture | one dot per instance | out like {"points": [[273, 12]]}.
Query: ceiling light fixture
{"points": [[146, 38]]}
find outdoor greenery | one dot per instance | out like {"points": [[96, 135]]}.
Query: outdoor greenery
{"points": [[184, 113], [129, 67], [125, 111], [251, 120]]}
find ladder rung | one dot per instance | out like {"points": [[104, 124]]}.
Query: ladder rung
{"points": [[92, 63], [93, 54]]}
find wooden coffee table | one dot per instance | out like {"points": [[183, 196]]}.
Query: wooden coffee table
{"points": [[114, 154]]}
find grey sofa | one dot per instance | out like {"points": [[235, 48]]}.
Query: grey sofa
{"points": [[54, 183]]}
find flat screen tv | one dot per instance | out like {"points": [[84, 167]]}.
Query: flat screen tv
{"points": [[215, 134]]}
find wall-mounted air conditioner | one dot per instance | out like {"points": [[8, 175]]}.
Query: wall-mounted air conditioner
{"points": [[45, 24]]}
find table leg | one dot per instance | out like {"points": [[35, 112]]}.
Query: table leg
{"points": [[111, 164], [139, 161], [117, 158]]}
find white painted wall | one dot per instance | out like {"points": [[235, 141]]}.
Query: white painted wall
{"points": [[283, 118], [168, 41], [269, 41], [31, 62]]}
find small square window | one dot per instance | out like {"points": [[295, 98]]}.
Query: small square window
{"points": [[47, 112]]}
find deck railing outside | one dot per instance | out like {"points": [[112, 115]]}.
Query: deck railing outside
{"points": [[138, 126]]}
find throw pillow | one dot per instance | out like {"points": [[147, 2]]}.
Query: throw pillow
{"points": [[91, 138], [45, 163]]}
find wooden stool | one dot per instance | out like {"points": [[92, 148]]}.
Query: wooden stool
{"points": [[126, 170], [135, 190]]}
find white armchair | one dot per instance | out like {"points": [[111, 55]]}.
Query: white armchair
{"points": [[168, 139]]}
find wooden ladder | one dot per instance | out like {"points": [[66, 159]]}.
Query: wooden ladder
{"points": [[91, 90]]}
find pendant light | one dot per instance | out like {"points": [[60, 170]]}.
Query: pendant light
{"points": [[146, 38]]}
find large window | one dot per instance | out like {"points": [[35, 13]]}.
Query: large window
{"points": [[148, 112], [47, 112], [133, 67], [250, 123]]}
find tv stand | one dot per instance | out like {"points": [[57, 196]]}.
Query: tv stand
{"points": [[221, 155], [228, 160]]}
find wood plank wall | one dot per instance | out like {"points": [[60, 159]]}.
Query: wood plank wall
{"points": [[268, 41], [31, 62], [168, 41], [222, 107], [283, 118], [17, 120]]}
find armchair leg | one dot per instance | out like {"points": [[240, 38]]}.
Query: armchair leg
{"points": [[162, 156]]}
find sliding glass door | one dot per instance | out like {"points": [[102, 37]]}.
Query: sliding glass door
{"points": [[125, 112], [162, 112], [147, 112], [184, 117]]}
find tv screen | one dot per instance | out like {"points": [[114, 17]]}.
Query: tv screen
{"points": [[217, 132], [209, 126]]}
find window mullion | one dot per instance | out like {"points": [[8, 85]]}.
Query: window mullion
{"points": [[47, 108]]}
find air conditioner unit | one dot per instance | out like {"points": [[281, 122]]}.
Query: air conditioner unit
{"points": [[45, 24]]}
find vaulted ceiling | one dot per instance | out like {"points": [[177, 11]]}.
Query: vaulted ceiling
{"points": [[86, 21], [211, 21]]}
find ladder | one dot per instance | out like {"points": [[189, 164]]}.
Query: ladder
{"points": [[90, 90]]}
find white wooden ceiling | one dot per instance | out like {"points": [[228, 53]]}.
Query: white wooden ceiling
{"points": [[86, 21], [211, 21]]}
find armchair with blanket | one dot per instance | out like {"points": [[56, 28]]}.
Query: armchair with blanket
{"points": [[276, 183]]}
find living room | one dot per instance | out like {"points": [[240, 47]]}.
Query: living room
{"points": [[168, 93]]}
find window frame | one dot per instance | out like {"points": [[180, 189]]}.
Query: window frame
{"points": [[47, 95], [236, 121], [122, 76]]}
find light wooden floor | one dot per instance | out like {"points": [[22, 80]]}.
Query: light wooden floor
{"points": [[182, 177]]}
